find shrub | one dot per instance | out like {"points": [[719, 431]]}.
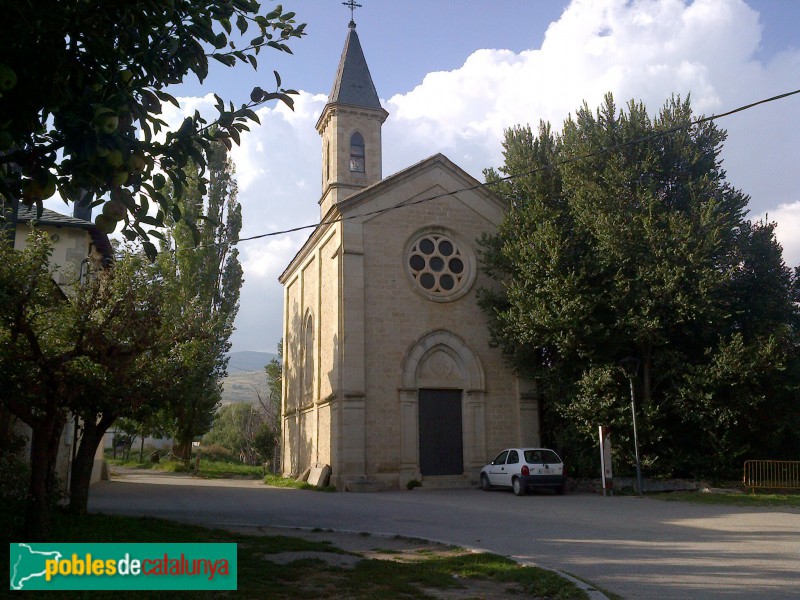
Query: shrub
{"points": [[216, 452]]}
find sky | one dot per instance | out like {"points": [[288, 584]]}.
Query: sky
{"points": [[453, 75]]}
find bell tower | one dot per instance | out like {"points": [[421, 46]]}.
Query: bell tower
{"points": [[350, 127]]}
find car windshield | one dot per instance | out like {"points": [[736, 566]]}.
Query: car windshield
{"points": [[541, 456]]}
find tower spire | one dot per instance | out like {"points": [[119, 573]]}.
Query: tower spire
{"points": [[352, 5], [350, 126]]}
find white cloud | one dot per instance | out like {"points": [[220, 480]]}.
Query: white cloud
{"points": [[278, 172], [788, 231], [644, 49]]}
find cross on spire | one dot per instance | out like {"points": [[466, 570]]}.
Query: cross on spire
{"points": [[352, 5]]}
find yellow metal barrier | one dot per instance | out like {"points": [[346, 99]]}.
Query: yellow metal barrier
{"points": [[772, 474]]}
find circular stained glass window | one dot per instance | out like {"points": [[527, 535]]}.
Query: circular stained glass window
{"points": [[439, 266]]}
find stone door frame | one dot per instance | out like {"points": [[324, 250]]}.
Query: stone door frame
{"points": [[465, 373]]}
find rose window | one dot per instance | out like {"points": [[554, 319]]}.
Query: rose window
{"points": [[439, 266]]}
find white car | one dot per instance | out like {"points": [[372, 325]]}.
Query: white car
{"points": [[522, 469]]}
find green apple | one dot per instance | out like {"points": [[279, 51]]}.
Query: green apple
{"points": [[120, 194], [105, 120], [105, 224], [114, 210], [137, 163], [34, 190], [114, 158]]}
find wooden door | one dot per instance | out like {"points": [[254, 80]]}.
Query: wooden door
{"points": [[441, 443]]}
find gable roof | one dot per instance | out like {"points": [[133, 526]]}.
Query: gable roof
{"points": [[341, 210], [51, 218], [438, 159], [353, 83]]}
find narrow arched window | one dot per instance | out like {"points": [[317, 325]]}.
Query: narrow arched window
{"points": [[357, 153], [327, 161], [308, 358]]}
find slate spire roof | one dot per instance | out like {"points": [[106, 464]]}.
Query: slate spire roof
{"points": [[353, 84]]}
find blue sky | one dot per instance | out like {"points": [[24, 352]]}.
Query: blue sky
{"points": [[453, 74]]}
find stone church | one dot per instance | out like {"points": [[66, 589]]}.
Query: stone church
{"points": [[388, 373]]}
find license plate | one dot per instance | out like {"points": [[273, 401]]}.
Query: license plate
{"points": [[546, 471]]}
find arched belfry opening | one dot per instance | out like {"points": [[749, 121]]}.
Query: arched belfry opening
{"points": [[357, 156], [442, 408], [350, 126]]}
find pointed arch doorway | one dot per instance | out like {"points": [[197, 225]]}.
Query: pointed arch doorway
{"points": [[442, 408]]}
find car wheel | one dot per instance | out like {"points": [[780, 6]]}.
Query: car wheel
{"points": [[519, 489], [485, 485]]}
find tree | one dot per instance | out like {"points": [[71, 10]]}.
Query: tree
{"points": [[81, 93], [239, 427], [274, 371], [624, 240], [271, 435], [128, 429], [203, 267], [88, 352]]}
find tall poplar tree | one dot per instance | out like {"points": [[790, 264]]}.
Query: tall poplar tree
{"points": [[624, 239], [202, 263]]}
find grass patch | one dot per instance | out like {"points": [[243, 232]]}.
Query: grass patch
{"points": [[288, 482], [312, 577], [255, 577], [209, 469], [215, 469], [390, 579], [747, 499]]}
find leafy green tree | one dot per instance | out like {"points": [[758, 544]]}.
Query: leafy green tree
{"points": [[202, 264], [88, 352], [270, 437], [128, 429], [81, 94], [274, 371], [625, 240], [240, 427]]}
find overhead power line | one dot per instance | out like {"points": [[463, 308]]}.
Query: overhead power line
{"points": [[565, 161]]}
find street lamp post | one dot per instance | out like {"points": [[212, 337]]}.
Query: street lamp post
{"points": [[631, 367]]}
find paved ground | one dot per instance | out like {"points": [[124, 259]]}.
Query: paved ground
{"points": [[635, 547]]}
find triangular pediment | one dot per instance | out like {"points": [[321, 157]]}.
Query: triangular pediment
{"points": [[431, 179]]}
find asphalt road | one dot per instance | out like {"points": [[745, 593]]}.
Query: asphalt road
{"points": [[634, 547]]}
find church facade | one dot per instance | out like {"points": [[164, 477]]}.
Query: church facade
{"points": [[388, 373]]}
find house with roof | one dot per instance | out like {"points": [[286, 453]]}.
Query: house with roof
{"points": [[77, 245], [388, 373]]}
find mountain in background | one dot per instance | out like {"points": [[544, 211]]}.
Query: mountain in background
{"points": [[246, 377], [249, 361]]}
